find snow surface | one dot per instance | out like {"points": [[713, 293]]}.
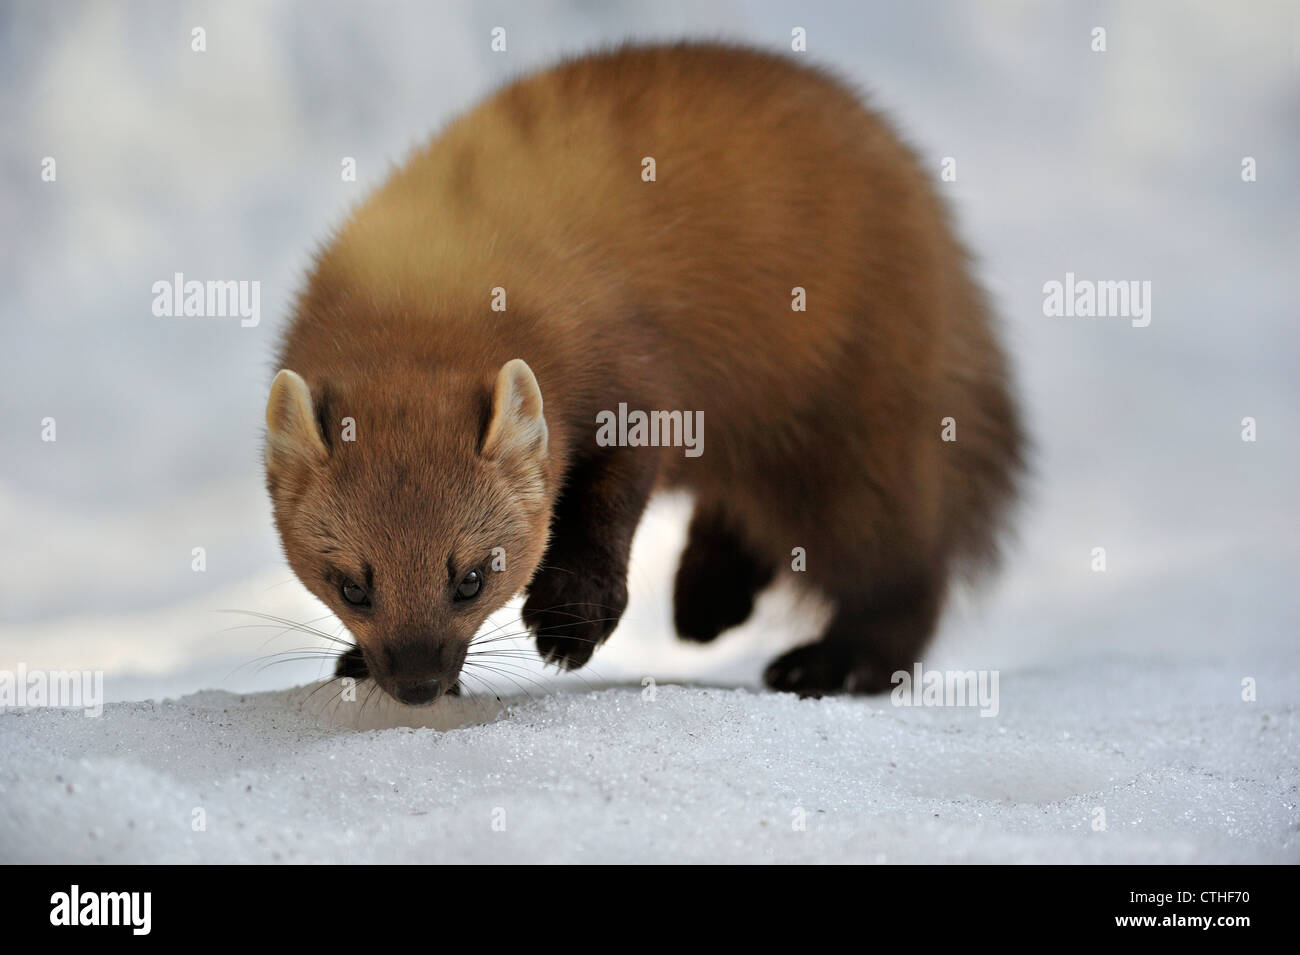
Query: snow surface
{"points": [[683, 774]]}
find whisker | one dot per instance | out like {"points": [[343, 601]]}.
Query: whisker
{"points": [[521, 688], [557, 626], [287, 624], [361, 712], [563, 671], [486, 686], [296, 659], [332, 679]]}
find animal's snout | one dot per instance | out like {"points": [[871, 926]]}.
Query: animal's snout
{"points": [[418, 694], [421, 669]]}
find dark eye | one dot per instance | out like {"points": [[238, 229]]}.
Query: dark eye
{"points": [[470, 586], [355, 594]]}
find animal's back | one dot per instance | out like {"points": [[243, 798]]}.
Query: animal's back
{"points": [[769, 176]]}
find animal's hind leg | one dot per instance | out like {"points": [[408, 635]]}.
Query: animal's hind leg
{"points": [[872, 634], [718, 578]]}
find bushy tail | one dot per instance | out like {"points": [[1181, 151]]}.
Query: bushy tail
{"points": [[983, 467]]}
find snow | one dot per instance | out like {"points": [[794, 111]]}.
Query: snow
{"points": [[1183, 768]]}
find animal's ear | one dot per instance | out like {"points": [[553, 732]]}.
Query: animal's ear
{"points": [[517, 431], [293, 436]]}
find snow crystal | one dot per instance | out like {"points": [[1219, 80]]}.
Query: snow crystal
{"points": [[1099, 768]]}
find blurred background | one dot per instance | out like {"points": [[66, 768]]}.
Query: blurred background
{"points": [[225, 164]]}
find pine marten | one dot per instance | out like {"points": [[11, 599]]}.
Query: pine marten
{"points": [[693, 233]]}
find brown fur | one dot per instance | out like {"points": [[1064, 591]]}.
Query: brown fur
{"points": [[822, 428]]}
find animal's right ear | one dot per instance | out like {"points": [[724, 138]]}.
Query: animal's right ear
{"points": [[292, 434], [517, 431]]}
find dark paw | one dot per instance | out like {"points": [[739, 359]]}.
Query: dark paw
{"points": [[711, 595], [572, 614], [821, 669], [718, 578], [351, 664]]}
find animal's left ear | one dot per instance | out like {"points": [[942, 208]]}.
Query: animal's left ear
{"points": [[293, 437], [517, 432]]}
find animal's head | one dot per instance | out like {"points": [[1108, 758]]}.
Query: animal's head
{"points": [[412, 517]]}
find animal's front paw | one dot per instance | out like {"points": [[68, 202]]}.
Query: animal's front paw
{"points": [[571, 614], [351, 664]]}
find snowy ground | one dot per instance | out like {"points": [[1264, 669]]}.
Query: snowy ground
{"points": [[696, 774]]}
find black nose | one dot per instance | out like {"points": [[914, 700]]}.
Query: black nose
{"points": [[418, 694]]}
